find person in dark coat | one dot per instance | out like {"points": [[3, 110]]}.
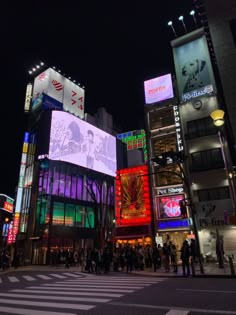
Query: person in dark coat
{"points": [[185, 254]]}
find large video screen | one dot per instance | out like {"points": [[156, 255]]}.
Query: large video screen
{"points": [[158, 89], [76, 141], [169, 206]]}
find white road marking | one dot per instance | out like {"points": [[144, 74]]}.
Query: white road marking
{"points": [[59, 287], [29, 278], [13, 279], [209, 291], [159, 307], [109, 281], [48, 304], [44, 277], [70, 293], [177, 312], [55, 298], [108, 287], [57, 276], [71, 275], [23, 311]]}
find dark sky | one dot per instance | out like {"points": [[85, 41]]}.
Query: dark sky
{"points": [[111, 47]]}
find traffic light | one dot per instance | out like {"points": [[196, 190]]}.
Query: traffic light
{"points": [[183, 209]]}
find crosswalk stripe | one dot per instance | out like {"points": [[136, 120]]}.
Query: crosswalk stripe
{"points": [[70, 274], [48, 304], [44, 277], [40, 291], [23, 311], [55, 298], [103, 282], [57, 276], [59, 287], [29, 278], [177, 312], [108, 287], [13, 279]]}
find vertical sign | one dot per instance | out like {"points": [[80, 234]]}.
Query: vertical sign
{"points": [[28, 95], [178, 128]]}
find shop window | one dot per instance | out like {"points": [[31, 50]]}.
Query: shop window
{"points": [[164, 144], [168, 175], [58, 213], [205, 160], [200, 127], [161, 118], [213, 194]]}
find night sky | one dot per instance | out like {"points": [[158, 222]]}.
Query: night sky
{"points": [[110, 47]]}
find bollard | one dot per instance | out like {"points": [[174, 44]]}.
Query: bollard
{"points": [[231, 264], [192, 266]]}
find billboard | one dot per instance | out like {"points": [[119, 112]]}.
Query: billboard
{"points": [[158, 89], [53, 90], [133, 196], [76, 141], [193, 66], [169, 206]]}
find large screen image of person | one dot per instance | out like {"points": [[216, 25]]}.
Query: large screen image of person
{"points": [[169, 206], [76, 141]]}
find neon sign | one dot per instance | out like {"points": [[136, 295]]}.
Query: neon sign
{"points": [[178, 128], [174, 224]]}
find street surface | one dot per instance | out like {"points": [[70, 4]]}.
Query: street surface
{"points": [[67, 292]]}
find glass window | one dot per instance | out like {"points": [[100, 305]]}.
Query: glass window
{"points": [[55, 182], [70, 215], [68, 186], [162, 118], [58, 213], [205, 160], [218, 193], [79, 216], [200, 127], [89, 223], [166, 175], [79, 187], [62, 181], [73, 187], [164, 144]]}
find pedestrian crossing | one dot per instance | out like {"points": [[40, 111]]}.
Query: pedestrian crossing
{"points": [[37, 277], [71, 295]]}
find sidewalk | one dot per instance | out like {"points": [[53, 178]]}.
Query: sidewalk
{"points": [[210, 270]]}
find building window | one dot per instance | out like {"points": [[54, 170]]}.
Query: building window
{"points": [[168, 175], [213, 194], [200, 128], [162, 118], [164, 144], [206, 160]]}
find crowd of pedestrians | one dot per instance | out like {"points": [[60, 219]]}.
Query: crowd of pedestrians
{"points": [[128, 258]]}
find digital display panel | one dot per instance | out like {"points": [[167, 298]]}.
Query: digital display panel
{"points": [[169, 206], [132, 196], [158, 89], [78, 142]]}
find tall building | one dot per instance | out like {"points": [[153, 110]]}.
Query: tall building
{"points": [[65, 194]]}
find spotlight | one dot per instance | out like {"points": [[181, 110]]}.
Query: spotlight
{"points": [[74, 81], [181, 18], [42, 63], [30, 72], [37, 66], [171, 25], [192, 13], [54, 67], [34, 69], [69, 78], [59, 71]]}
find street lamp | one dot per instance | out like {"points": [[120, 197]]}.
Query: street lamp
{"points": [[181, 18], [218, 117], [170, 23], [192, 13]]}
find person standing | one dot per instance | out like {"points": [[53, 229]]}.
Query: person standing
{"points": [[185, 254], [155, 257], [173, 257]]}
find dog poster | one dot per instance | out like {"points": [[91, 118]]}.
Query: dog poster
{"points": [[193, 69]]}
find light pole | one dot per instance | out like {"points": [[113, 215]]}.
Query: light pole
{"points": [[170, 23], [181, 18]]}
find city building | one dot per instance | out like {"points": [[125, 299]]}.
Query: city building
{"points": [[65, 193]]}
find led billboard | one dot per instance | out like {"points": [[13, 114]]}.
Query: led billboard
{"points": [[158, 89], [169, 206], [56, 87], [133, 196], [76, 141]]}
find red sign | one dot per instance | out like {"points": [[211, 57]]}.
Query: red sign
{"points": [[132, 196], [8, 206]]}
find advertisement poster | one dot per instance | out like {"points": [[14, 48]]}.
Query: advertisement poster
{"points": [[78, 142], [158, 89], [193, 69], [169, 206], [132, 196], [53, 90]]}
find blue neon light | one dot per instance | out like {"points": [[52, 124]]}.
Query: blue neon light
{"points": [[185, 223]]}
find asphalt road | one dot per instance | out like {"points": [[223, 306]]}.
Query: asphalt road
{"points": [[67, 292]]}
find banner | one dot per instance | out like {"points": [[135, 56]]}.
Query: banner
{"points": [[193, 67], [158, 89], [73, 101]]}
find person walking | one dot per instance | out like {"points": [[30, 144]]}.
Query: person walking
{"points": [[185, 254]]}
